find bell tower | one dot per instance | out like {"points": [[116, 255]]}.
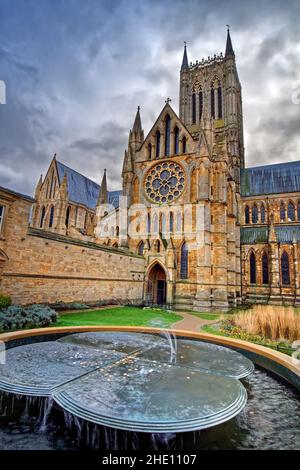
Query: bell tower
{"points": [[210, 90]]}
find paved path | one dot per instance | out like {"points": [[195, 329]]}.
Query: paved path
{"points": [[190, 322]]}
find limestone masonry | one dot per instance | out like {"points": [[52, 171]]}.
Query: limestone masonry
{"points": [[191, 228]]}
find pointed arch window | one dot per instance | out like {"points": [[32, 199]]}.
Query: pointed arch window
{"points": [[42, 216], [184, 261], [285, 269], [117, 231], [220, 111], [291, 212], [149, 151], [157, 140], [200, 105], [157, 246], [252, 268], [184, 144], [282, 212], [51, 217], [171, 222], [212, 101], [265, 268], [298, 211], [68, 216], [141, 248], [148, 223], [176, 140], [247, 215], [167, 135], [194, 108], [254, 214], [262, 214]]}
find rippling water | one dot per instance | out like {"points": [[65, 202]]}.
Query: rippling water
{"points": [[270, 420]]}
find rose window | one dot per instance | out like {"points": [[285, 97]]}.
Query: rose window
{"points": [[164, 182]]}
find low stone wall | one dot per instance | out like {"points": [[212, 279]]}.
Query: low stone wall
{"points": [[45, 268]]}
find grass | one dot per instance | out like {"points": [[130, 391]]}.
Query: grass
{"points": [[119, 316]]}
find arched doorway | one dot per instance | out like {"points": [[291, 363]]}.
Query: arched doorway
{"points": [[157, 285]]}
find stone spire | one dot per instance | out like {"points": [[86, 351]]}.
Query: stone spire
{"points": [[185, 63], [103, 194], [229, 52], [137, 125], [136, 134]]}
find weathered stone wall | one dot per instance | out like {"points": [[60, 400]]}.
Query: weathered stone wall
{"points": [[46, 267]]}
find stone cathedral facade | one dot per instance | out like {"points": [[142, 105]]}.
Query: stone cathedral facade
{"points": [[212, 233]]}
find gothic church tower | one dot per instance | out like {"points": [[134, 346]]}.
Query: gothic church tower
{"points": [[183, 180]]}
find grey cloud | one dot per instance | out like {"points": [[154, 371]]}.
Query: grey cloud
{"points": [[76, 72]]}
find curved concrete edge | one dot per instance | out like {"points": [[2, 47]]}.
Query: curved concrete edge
{"points": [[261, 355]]}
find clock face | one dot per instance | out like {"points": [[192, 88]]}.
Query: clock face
{"points": [[164, 182]]}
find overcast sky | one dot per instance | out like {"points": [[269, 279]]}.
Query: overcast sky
{"points": [[76, 70]]}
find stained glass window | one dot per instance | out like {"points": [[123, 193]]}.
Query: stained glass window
{"points": [[42, 217], [212, 101], [254, 214], [194, 108], [291, 212], [184, 145], [282, 212], [68, 216], [157, 150], [51, 216], [176, 140], [141, 248], [285, 269], [247, 215], [265, 269], [184, 261], [200, 105], [167, 135], [252, 268], [262, 214], [220, 113]]}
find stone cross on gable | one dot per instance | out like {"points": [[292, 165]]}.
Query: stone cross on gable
{"points": [[168, 100]]}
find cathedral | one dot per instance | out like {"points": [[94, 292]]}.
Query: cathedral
{"points": [[213, 233]]}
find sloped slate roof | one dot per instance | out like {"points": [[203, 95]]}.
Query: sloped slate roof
{"points": [[271, 179], [284, 234], [82, 190]]}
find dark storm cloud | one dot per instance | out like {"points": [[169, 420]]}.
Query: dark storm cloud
{"points": [[75, 72]]}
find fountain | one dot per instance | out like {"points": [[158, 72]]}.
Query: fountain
{"points": [[114, 387]]}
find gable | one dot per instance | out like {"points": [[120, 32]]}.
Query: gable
{"points": [[159, 125]]}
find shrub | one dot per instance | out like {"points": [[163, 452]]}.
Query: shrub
{"points": [[17, 317], [5, 301]]}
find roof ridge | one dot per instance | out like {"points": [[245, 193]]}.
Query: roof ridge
{"points": [[270, 165], [75, 171]]}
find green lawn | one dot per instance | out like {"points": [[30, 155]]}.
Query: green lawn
{"points": [[119, 316]]}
